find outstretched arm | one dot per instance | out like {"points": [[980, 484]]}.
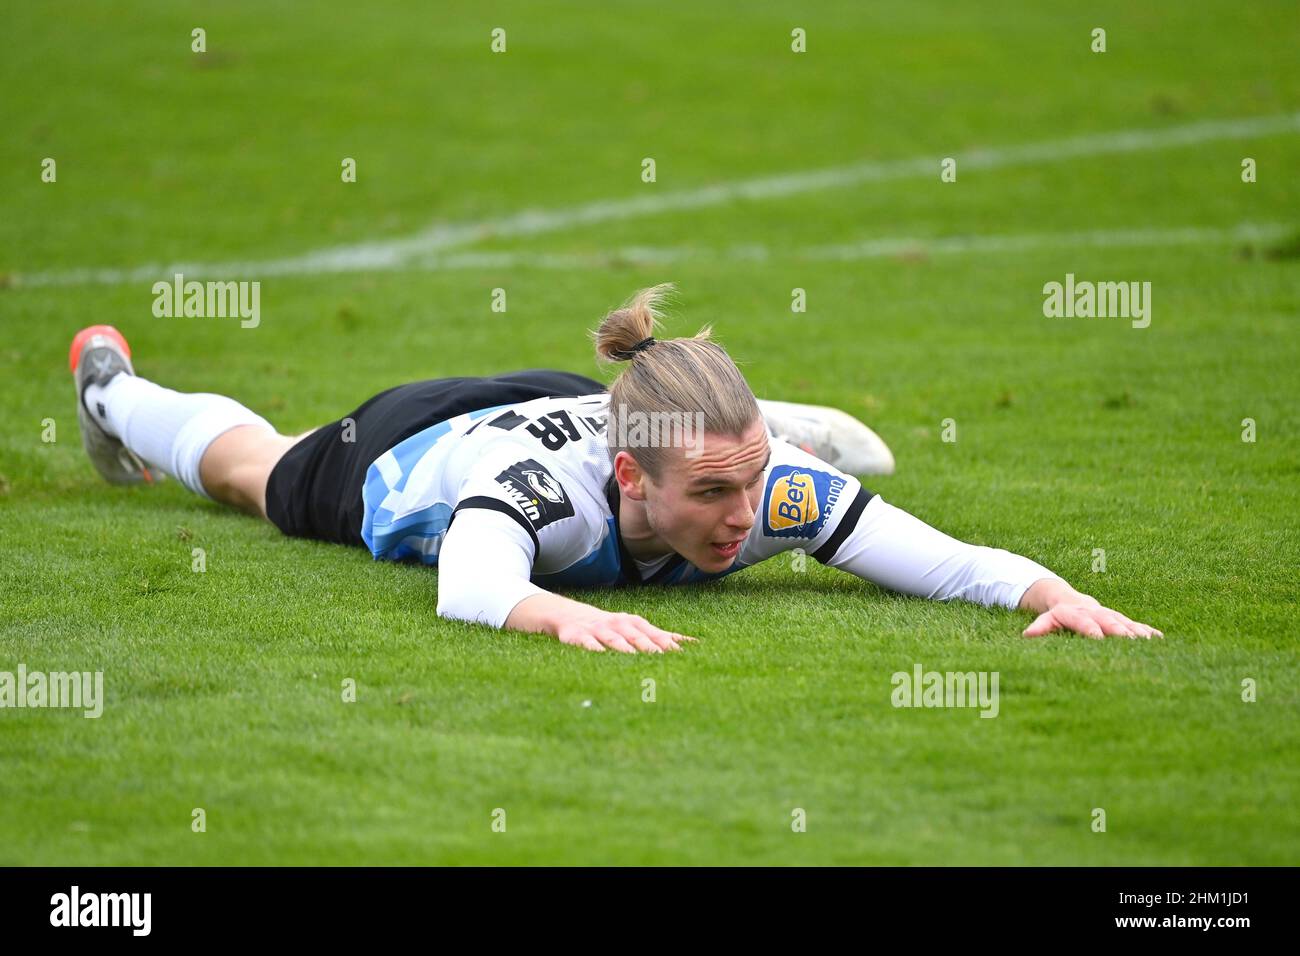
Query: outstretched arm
{"points": [[484, 566], [899, 551]]}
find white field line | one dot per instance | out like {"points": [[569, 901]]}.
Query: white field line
{"points": [[903, 247], [402, 252], [1025, 242]]}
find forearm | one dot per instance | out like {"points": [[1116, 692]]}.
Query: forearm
{"points": [[483, 572], [484, 595], [467, 594], [899, 551]]}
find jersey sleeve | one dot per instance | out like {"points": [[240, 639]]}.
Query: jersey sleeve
{"points": [[484, 566], [899, 551], [811, 505], [807, 505]]}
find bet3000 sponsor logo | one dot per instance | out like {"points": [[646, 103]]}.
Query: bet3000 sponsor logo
{"points": [[798, 501]]}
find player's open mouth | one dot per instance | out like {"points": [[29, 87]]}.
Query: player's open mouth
{"points": [[728, 550]]}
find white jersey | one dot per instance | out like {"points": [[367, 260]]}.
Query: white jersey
{"points": [[530, 487], [544, 463]]}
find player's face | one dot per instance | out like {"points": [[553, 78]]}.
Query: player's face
{"points": [[703, 506]]}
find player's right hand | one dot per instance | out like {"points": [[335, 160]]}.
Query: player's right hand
{"points": [[628, 633]]}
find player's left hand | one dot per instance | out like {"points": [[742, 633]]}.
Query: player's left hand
{"points": [[1090, 621], [1067, 609]]}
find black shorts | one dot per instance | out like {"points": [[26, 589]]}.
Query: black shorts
{"points": [[314, 490]]}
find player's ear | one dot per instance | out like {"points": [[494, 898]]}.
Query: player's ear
{"points": [[631, 477]]}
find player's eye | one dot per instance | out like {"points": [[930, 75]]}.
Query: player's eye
{"points": [[711, 493]]}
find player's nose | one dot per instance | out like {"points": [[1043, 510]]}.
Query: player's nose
{"points": [[742, 515]]}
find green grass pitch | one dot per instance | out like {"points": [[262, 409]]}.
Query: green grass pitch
{"points": [[224, 687]]}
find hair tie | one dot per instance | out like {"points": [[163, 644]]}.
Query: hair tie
{"points": [[626, 355]]}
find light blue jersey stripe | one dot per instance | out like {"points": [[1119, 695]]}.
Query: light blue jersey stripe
{"points": [[416, 535]]}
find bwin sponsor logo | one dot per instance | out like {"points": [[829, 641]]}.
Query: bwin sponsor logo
{"points": [[529, 505], [544, 485]]}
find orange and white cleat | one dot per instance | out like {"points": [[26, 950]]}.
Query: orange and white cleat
{"points": [[98, 353]]}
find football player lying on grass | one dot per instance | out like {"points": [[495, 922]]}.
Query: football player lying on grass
{"points": [[520, 483]]}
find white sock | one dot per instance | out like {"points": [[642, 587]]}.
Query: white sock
{"points": [[170, 430]]}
